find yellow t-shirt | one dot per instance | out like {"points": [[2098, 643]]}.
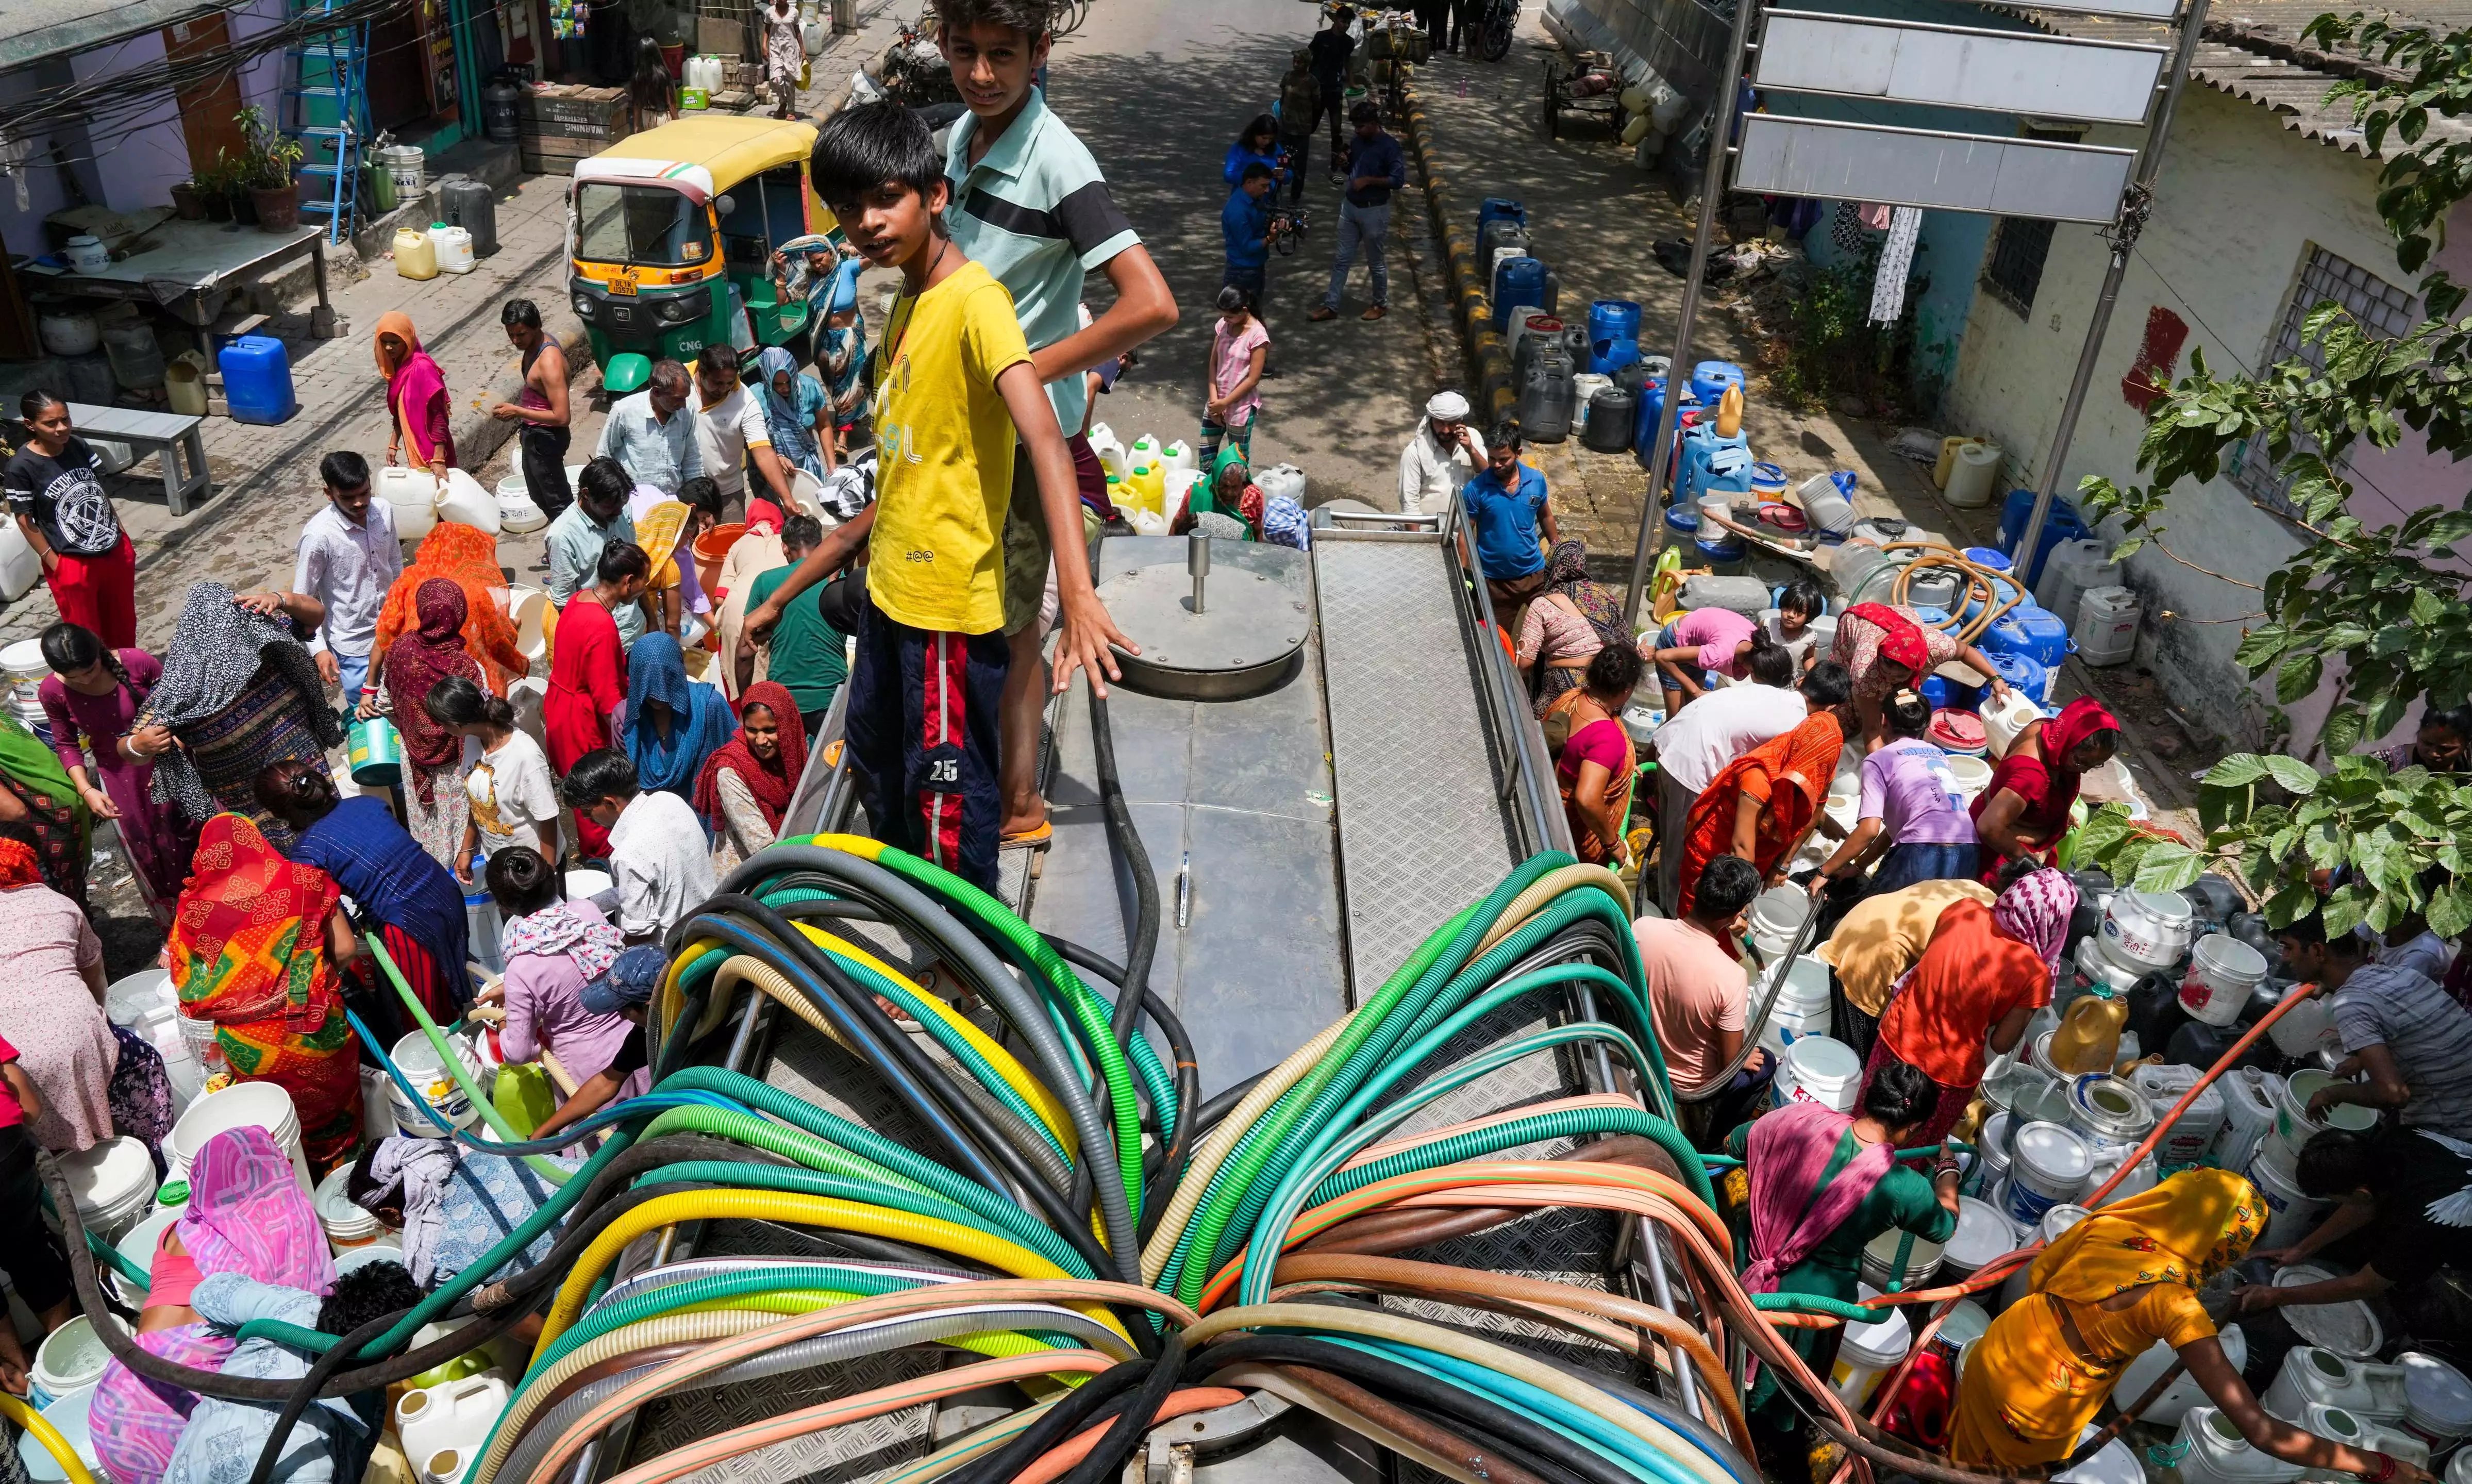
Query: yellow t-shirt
{"points": [[944, 453], [1884, 935]]}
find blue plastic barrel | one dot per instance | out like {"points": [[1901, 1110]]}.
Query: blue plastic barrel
{"points": [[1651, 408], [1612, 319], [2003, 586], [1608, 356], [1499, 208], [2061, 524], [2035, 632], [1988, 558], [1935, 691], [2024, 673], [1519, 280], [258, 379], [1709, 379]]}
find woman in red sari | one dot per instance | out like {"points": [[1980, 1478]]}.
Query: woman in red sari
{"points": [[468, 557], [2025, 812], [1760, 806], [587, 673], [258, 947]]}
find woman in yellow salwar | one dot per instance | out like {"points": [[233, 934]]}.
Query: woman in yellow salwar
{"points": [[2101, 1296]]}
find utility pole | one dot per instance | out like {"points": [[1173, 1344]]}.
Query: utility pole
{"points": [[1722, 111], [2135, 205]]}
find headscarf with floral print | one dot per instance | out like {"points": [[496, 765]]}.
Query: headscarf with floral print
{"points": [[2184, 1231]]}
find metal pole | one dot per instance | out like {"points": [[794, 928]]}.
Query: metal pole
{"points": [[2135, 204], [1712, 192]]}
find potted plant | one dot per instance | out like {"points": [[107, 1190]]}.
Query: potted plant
{"points": [[214, 189], [268, 173], [189, 201]]}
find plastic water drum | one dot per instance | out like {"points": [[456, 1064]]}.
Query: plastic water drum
{"points": [[2047, 1165], [1709, 380], [1983, 1235], [114, 1186], [1801, 1010], [2293, 1125], [2437, 1400], [2024, 675], [2141, 1177], [69, 1416], [1868, 1350], [70, 1360], [2035, 632], [258, 379], [1818, 1070], [2223, 971], [2183, 1392], [463, 500], [260, 1105], [2211, 1450], [2193, 1134], [2248, 1115], [1517, 280], [1612, 319]]}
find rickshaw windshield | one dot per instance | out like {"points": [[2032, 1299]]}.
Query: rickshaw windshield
{"points": [[640, 223]]}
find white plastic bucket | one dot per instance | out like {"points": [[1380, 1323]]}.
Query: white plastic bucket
{"points": [[2437, 1400], [1801, 1010], [1880, 1260], [1777, 915], [1983, 1235], [584, 883], [127, 1001], [2294, 1214], [384, 1248], [2047, 1165], [68, 1415], [420, 1065], [2224, 972], [1967, 1323], [70, 1360], [1867, 1350], [2110, 1111], [2113, 1463], [346, 1224], [2152, 928], [2054, 1225], [2293, 1128], [2183, 1392], [243, 1105], [1818, 1070], [2189, 1137], [2212, 1451], [114, 1186], [1992, 1155], [2304, 1029], [137, 1245], [2249, 1113]]}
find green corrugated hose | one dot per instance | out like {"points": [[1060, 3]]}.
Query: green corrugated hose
{"points": [[546, 1168]]}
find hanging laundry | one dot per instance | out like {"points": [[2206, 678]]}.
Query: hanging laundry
{"points": [[1846, 228], [13, 153], [1896, 261], [1874, 218]]}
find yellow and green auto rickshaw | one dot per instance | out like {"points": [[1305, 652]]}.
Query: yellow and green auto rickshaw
{"points": [[672, 235]]}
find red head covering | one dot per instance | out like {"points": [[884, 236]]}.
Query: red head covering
{"points": [[419, 661], [17, 864], [468, 557], [2081, 719], [771, 782], [1901, 641]]}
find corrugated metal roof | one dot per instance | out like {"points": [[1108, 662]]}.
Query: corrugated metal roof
{"points": [[2252, 50], [37, 29]]}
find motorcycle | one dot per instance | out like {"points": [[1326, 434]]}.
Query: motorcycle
{"points": [[1493, 29]]}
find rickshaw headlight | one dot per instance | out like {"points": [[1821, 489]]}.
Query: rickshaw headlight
{"points": [[678, 310], [584, 306]]}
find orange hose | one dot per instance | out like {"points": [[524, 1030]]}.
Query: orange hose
{"points": [[1057, 1461]]}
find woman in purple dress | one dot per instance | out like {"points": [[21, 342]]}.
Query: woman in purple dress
{"points": [[93, 694]]}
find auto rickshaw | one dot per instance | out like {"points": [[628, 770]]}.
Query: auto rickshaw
{"points": [[671, 234]]}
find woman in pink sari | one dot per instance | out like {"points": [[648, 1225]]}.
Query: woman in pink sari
{"points": [[1822, 1186], [415, 397], [247, 1214]]}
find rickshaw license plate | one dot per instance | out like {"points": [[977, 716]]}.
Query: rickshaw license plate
{"points": [[624, 288]]}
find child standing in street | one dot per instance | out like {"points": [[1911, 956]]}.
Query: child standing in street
{"points": [[1238, 348], [954, 386]]}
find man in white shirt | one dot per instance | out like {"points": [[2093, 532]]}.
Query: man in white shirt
{"points": [[730, 430], [1701, 738], [658, 860], [347, 558], [1444, 454]]}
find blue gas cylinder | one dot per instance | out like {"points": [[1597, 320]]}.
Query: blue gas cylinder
{"points": [[1608, 356], [1500, 209], [2061, 524], [1709, 379], [1519, 280], [2026, 675], [1612, 319], [2035, 632], [258, 379]]}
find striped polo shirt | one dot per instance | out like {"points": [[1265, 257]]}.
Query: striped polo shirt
{"points": [[1035, 210], [2427, 1033]]}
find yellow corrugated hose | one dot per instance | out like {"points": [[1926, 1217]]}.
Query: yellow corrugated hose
{"points": [[809, 1211], [43, 1432]]}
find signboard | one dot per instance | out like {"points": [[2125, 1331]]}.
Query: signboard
{"points": [[1918, 167], [1959, 67]]}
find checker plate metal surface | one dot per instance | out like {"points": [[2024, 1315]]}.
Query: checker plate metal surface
{"points": [[1422, 827], [856, 1451]]}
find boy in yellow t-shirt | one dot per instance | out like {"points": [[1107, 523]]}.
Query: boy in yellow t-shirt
{"points": [[953, 387]]}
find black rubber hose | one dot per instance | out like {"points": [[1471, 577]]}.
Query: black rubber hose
{"points": [[813, 964], [304, 1393], [1141, 934], [1465, 1408], [1054, 1425], [1170, 1158], [1215, 1111], [1105, 1460]]}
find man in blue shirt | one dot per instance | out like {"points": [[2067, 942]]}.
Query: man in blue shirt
{"points": [[1245, 223], [1507, 504], [1375, 168]]}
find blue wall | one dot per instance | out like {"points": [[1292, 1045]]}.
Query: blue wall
{"points": [[1950, 249]]}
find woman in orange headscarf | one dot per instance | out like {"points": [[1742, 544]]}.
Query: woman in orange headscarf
{"points": [[468, 557], [1760, 806], [2100, 1296], [415, 397]]}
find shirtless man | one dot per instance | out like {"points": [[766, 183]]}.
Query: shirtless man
{"points": [[541, 407]]}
